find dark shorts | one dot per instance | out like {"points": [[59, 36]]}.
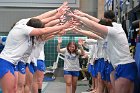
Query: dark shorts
{"points": [[128, 71], [6, 66], [101, 67], [21, 67], [31, 67], [90, 68], [109, 68], [40, 66], [73, 73], [94, 72]]}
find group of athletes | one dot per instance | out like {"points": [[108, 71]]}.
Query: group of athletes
{"points": [[22, 59]]}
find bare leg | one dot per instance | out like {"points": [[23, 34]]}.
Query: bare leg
{"points": [[132, 88], [8, 83], [35, 84], [109, 87], [123, 85], [21, 83], [112, 79], [74, 84], [68, 80], [28, 81], [40, 79], [16, 76], [100, 84], [95, 85], [37, 81]]}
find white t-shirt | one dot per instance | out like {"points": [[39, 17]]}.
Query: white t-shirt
{"points": [[25, 57], [18, 42], [117, 47], [42, 55], [91, 44], [100, 52], [71, 61], [106, 57], [37, 52]]}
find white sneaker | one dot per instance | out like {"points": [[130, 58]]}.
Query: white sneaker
{"points": [[84, 79]]}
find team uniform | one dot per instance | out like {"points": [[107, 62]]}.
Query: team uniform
{"points": [[71, 62], [108, 65], [40, 60], [101, 58], [17, 43], [37, 49], [92, 46], [22, 64], [122, 61]]}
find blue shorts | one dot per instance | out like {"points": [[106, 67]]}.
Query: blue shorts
{"points": [[128, 71], [40, 66], [6, 66], [90, 68], [21, 67], [16, 68], [109, 68], [73, 73], [94, 71], [101, 67], [31, 67]]}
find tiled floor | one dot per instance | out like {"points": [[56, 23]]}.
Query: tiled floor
{"points": [[58, 86]]}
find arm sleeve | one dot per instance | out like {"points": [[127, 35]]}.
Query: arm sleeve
{"points": [[27, 29], [22, 25], [111, 31]]}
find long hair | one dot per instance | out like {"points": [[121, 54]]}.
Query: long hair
{"points": [[76, 47], [110, 15], [105, 22], [36, 23]]}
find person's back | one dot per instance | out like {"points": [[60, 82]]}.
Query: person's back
{"points": [[117, 50], [119, 54], [118, 45], [18, 39]]}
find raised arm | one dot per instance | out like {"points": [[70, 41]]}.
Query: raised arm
{"points": [[63, 7], [82, 14], [82, 52], [46, 14], [58, 46], [47, 30], [54, 17], [48, 37], [52, 23], [87, 33], [93, 25], [45, 37]]}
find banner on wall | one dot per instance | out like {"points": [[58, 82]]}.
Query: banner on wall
{"points": [[37, 3], [108, 4]]}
